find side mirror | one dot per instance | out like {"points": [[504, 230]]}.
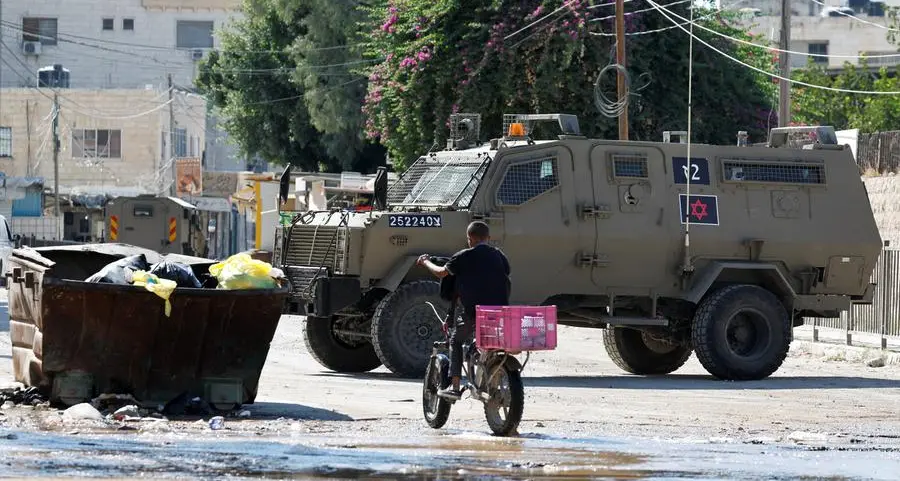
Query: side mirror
{"points": [[284, 184], [381, 187]]}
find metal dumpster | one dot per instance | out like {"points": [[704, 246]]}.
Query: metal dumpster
{"points": [[76, 340]]}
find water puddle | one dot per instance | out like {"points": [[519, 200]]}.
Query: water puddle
{"points": [[445, 455]]}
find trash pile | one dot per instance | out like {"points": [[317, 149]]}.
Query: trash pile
{"points": [[19, 395], [239, 271]]}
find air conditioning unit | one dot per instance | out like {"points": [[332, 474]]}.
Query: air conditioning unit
{"points": [[196, 54], [31, 48]]}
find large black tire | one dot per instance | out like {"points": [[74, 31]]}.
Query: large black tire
{"points": [[404, 328], [741, 332], [635, 353], [512, 406], [435, 408], [337, 354]]}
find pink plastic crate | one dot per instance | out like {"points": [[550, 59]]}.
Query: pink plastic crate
{"points": [[516, 328]]}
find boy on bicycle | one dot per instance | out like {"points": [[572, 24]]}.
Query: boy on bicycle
{"points": [[482, 278]]}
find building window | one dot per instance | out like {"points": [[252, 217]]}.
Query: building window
{"points": [[39, 29], [108, 23], [181, 138], [5, 141], [194, 34], [96, 143], [819, 49], [127, 24]]}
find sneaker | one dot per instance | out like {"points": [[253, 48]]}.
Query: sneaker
{"points": [[450, 393]]}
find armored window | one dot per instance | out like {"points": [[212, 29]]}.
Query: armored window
{"points": [[629, 166], [143, 211], [527, 180], [772, 172]]}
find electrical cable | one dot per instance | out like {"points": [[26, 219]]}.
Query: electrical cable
{"points": [[770, 74]]}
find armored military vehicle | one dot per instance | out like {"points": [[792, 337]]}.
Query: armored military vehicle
{"points": [[720, 254]]}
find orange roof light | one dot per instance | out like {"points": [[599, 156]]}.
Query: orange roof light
{"points": [[516, 130]]}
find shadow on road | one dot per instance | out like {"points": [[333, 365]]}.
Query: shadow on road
{"points": [[387, 376], [699, 382], [296, 411]]}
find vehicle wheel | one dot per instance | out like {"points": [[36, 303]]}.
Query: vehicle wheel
{"points": [[338, 353], [435, 408], [741, 332], [636, 352], [404, 328], [503, 411]]}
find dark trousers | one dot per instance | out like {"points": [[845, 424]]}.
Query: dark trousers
{"points": [[463, 331]]}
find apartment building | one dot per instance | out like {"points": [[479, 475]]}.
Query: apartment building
{"points": [[112, 141], [119, 44], [844, 30]]}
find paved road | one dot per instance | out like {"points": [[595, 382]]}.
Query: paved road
{"points": [[816, 416]]}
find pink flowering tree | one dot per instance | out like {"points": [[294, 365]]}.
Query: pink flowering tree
{"points": [[520, 56]]}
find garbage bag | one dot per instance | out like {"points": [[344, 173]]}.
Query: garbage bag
{"points": [[182, 274], [120, 271], [161, 287], [241, 271]]}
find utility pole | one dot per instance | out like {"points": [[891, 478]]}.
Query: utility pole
{"points": [[784, 65], [620, 59], [171, 137], [56, 161]]}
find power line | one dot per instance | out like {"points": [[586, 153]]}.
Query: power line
{"points": [[854, 17], [670, 27], [776, 49], [798, 82]]}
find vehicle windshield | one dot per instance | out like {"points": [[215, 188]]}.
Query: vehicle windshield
{"points": [[439, 181]]}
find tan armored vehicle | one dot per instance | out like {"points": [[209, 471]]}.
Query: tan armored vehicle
{"points": [[721, 255]]}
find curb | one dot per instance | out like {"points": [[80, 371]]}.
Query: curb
{"points": [[828, 351]]}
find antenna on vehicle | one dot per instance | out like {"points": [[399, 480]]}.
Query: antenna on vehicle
{"points": [[686, 266]]}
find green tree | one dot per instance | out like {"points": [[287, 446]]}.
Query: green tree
{"points": [[444, 56], [842, 110], [284, 83]]}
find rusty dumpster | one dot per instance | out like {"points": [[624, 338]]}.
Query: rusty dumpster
{"points": [[76, 340]]}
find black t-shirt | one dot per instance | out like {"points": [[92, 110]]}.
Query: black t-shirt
{"points": [[482, 277]]}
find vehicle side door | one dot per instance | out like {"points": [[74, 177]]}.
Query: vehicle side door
{"points": [[534, 196]]}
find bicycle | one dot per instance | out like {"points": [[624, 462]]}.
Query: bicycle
{"points": [[493, 376]]}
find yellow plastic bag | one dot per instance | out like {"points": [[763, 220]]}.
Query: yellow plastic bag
{"points": [[241, 271], [161, 287]]}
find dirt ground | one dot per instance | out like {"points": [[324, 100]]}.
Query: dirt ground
{"points": [[824, 410], [577, 389]]}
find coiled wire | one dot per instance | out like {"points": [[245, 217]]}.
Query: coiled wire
{"points": [[613, 108]]}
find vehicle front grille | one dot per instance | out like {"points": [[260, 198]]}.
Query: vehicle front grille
{"points": [[311, 250], [317, 246], [301, 278]]}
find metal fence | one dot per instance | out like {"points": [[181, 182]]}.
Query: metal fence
{"points": [[882, 317], [879, 152]]}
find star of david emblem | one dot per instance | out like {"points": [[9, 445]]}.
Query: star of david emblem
{"points": [[698, 210]]}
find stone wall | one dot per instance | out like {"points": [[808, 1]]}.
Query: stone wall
{"points": [[884, 194]]}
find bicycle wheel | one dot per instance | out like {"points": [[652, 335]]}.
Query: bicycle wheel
{"points": [[435, 408], [507, 401]]}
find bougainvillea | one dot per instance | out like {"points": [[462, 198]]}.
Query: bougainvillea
{"points": [[519, 56]]}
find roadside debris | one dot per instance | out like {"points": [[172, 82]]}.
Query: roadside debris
{"points": [[876, 362], [14, 395], [82, 412], [217, 423]]}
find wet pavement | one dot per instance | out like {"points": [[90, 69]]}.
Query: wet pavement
{"points": [[303, 453], [817, 418]]}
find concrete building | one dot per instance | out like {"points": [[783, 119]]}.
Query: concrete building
{"points": [[112, 141], [858, 29], [120, 44]]}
